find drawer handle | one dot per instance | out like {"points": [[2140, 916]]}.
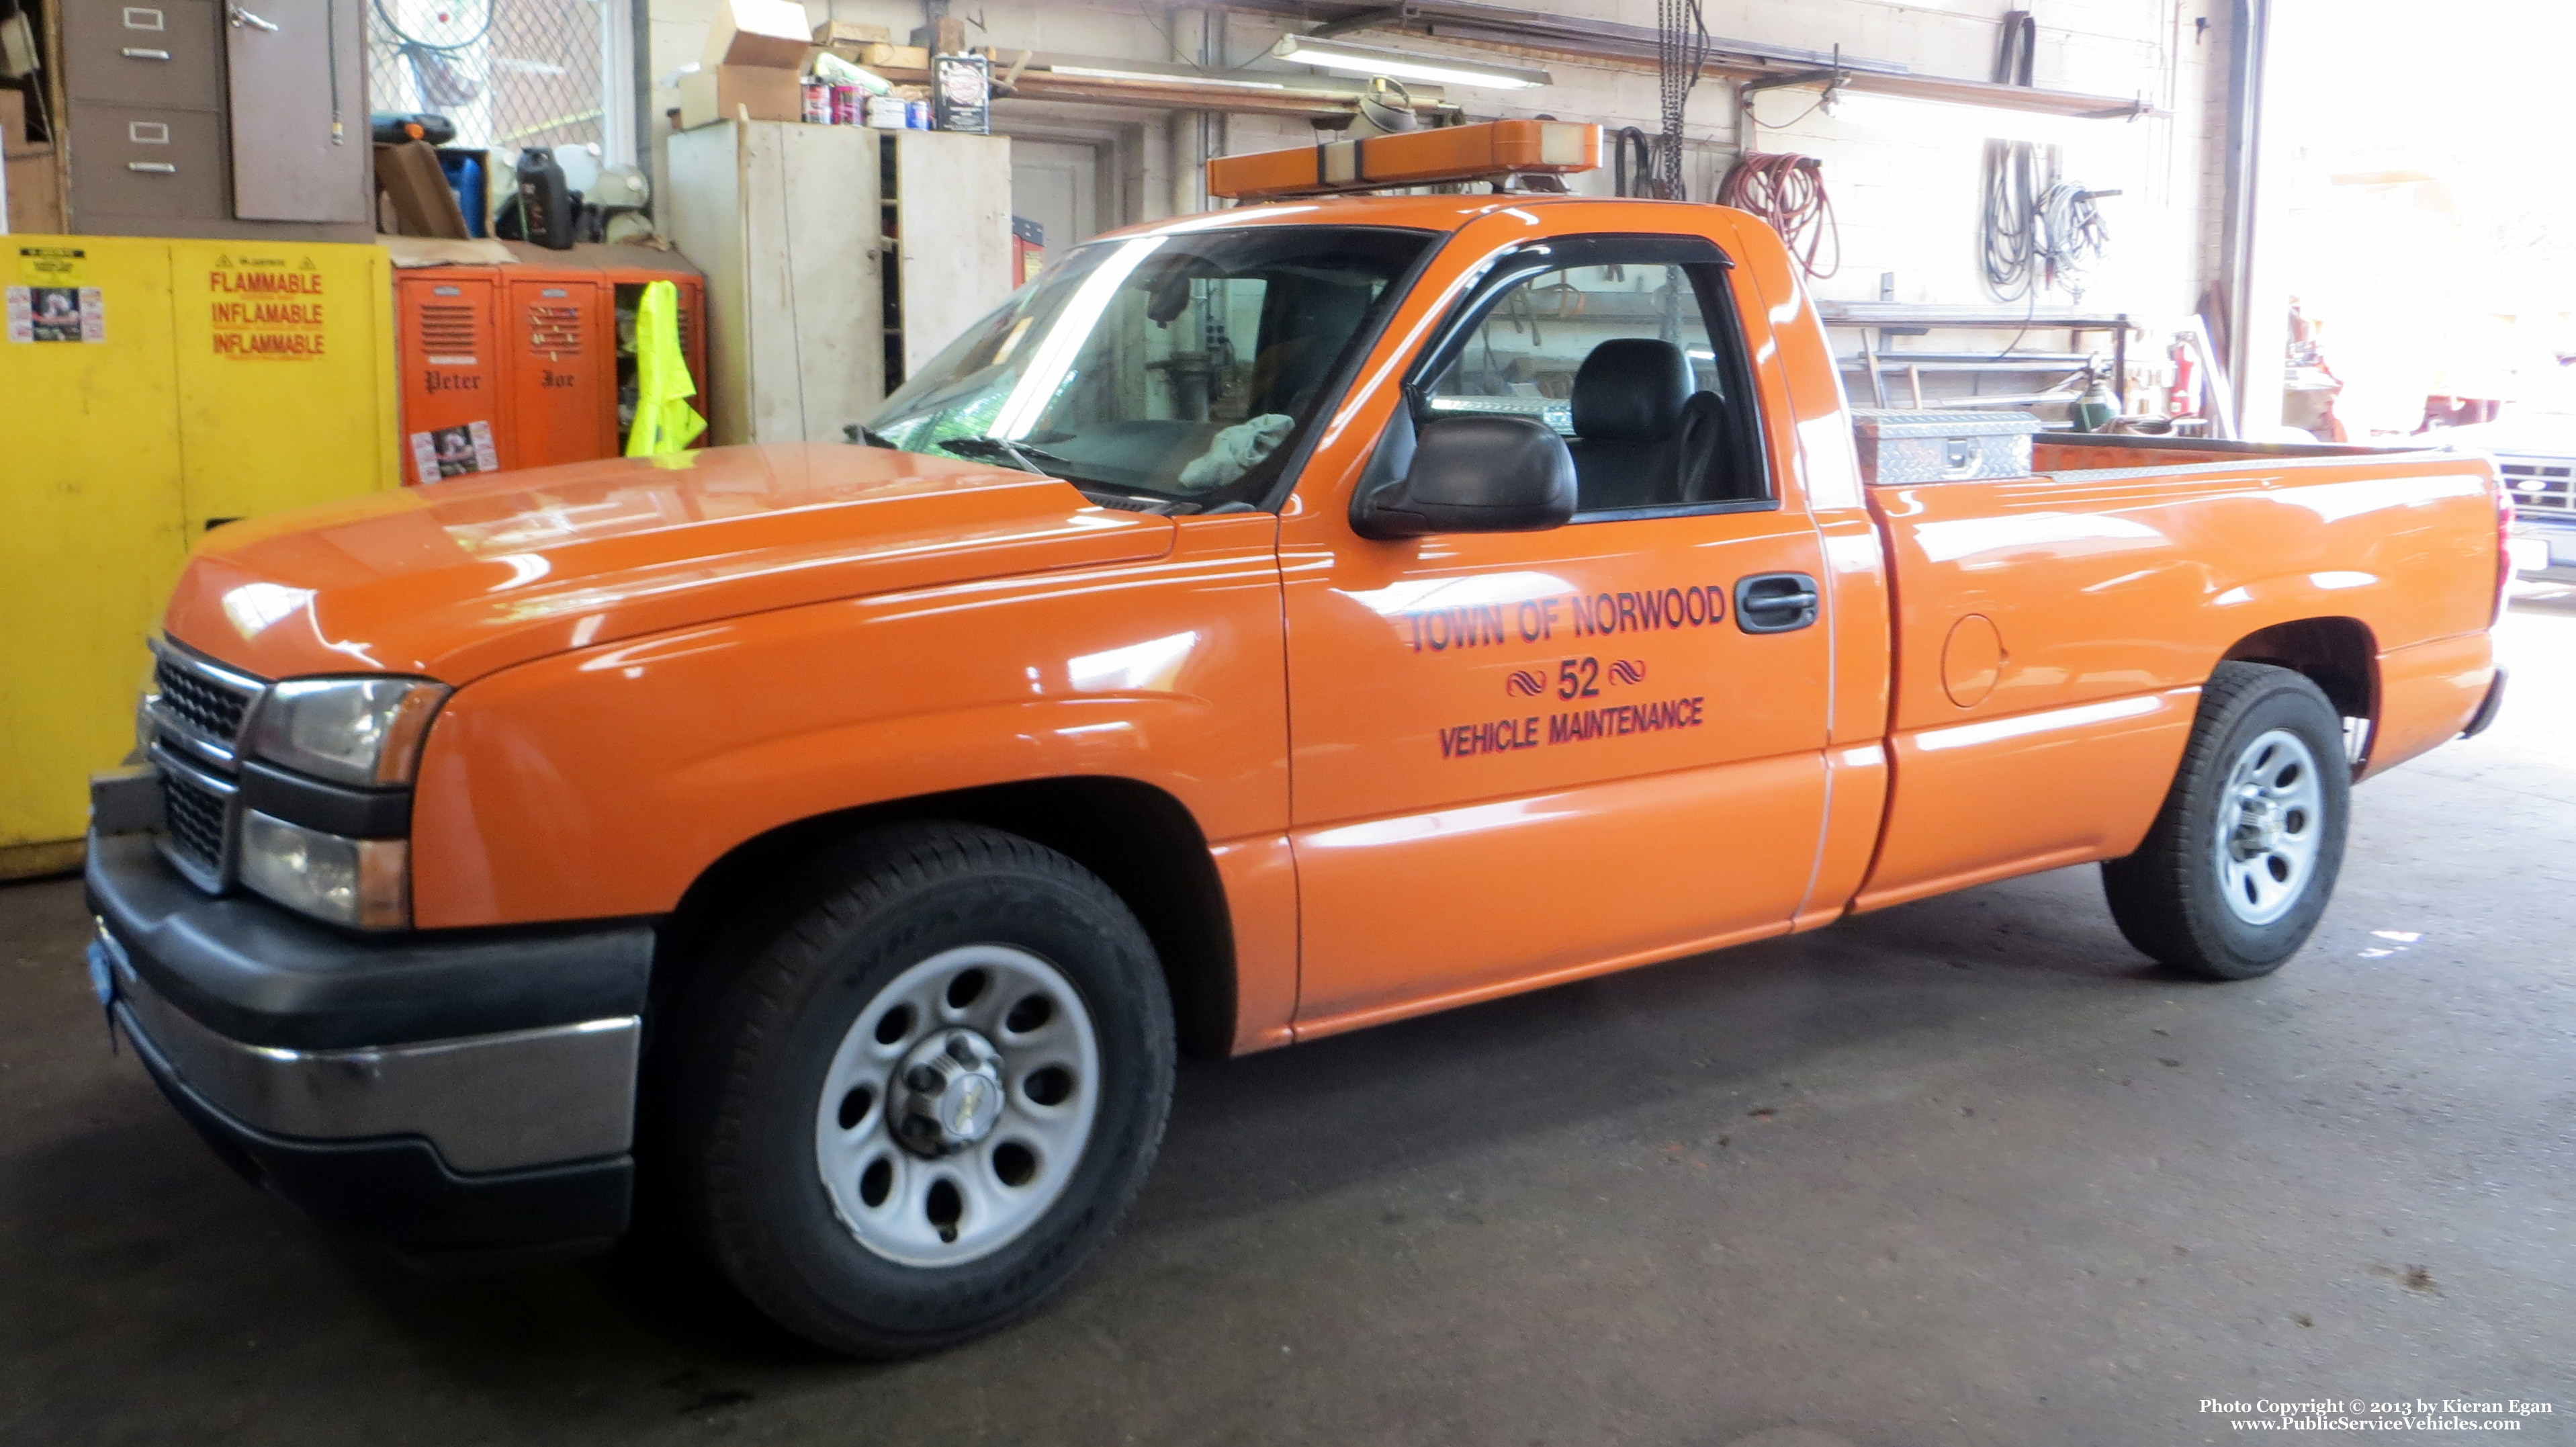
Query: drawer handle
{"points": [[241, 17], [136, 52], [159, 168]]}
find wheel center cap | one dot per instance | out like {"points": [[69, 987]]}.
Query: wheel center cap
{"points": [[2258, 828], [947, 1093]]}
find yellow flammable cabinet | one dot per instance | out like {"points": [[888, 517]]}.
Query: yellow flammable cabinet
{"points": [[149, 390]]}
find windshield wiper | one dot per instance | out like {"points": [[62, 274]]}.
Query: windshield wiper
{"points": [[988, 449], [869, 436]]}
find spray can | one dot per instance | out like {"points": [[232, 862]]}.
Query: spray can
{"points": [[846, 101], [818, 103]]}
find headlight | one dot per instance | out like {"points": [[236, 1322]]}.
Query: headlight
{"points": [[351, 730], [360, 882]]}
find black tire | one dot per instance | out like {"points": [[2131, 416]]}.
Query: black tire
{"points": [[2168, 897], [751, 1051]]}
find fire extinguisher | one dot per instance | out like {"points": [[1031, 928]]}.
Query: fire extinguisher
{"points": [[2186, 389]]}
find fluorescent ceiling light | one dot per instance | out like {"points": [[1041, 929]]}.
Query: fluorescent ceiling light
{"points": [[1157, 77], [1970, 122], [1405, 64]]}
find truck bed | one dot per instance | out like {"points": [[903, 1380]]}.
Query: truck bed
{"points": [[2023, 672]]}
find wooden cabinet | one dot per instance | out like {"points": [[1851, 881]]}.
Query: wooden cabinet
{"points": [[949, 218], [838, 258]]}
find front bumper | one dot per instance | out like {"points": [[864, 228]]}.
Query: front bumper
{"points": [[433, 1092]]}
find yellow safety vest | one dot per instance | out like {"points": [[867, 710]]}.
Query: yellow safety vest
{"points": [[664, 420]]}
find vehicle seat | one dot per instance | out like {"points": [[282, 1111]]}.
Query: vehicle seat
{"points": [[1700, 463], [1630, 398]]}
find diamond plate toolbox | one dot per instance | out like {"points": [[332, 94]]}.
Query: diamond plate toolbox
{"points": [[1898, 447]]}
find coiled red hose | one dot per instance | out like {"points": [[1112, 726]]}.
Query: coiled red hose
{"points": [[1788, 191]]}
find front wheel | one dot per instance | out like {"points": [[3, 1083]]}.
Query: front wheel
{"points": [[2238, 866], [911, 1116]]}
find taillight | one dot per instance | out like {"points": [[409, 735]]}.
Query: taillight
{"points": [[2504, 550]]}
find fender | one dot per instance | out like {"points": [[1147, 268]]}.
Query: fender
{"points": [[600, 782]]}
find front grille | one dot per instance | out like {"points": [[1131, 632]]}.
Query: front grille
{"points": [[2540, 487], [195, 723], [211, 708], [196, 819]]}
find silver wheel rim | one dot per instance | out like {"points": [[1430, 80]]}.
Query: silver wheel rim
{"points": [[2270, 819], [924, 1202]]}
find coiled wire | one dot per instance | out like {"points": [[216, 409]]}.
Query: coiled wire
{"points": [[1788, 191], [2068, 235]]}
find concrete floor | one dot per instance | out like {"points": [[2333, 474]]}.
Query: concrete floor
{"points": [[1966, 1172]]}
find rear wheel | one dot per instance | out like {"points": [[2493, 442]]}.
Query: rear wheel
{"points": [[911, 1117], [2240, 863]]}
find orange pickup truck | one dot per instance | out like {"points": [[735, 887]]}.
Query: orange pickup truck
{"points": [[1267, 624]]}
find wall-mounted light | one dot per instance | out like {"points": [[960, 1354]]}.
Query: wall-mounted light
{"points": [[1161, 77], [1951, 121], [1405, 64]]}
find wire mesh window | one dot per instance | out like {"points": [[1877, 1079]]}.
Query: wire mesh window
{"points": [[509, 73]]}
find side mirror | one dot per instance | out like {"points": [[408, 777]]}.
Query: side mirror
{"points": [[1465, 475]]}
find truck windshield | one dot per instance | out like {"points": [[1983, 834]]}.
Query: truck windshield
{"points": [[1178, 368]]}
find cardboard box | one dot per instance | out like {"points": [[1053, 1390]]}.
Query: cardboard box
{"points": [[13, 123], [415, 185], [765, 33], [720, 93], [895, 57], [35, 194], [850, 33]]}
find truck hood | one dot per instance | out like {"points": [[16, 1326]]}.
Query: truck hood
{"points": [[456, 579]]}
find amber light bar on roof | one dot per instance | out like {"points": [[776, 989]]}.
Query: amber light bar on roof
{"points": [[1486, 152]]}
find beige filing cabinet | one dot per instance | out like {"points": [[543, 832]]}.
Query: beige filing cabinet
{"points": [[838, 258], [243, 120]]}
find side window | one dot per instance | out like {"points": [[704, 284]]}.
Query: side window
{"points": [[1620, 358]]}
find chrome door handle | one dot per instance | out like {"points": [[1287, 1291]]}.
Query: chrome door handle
{"points": [[241, 17], [136, 52]]}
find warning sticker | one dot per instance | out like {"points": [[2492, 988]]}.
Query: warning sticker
{"points": [[57, 314], [53, 265], [267, 308], [454, 451]]}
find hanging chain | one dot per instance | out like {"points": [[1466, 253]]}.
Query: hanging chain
{"points": [[1681, 48]]}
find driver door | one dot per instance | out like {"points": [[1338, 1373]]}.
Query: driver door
{"points": [[1525, 757]]}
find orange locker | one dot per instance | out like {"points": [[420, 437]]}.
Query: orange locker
{"points": [[448, 343], [558, 366], [531, 364], [627, 286]]}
